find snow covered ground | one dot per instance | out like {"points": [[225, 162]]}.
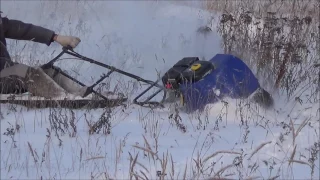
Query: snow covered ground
{"points": [[231, 140]]}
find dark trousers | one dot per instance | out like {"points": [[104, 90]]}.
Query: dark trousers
{"points": [[12, 84]]}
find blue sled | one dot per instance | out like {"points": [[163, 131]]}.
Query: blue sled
{"points": [[231, 78]]}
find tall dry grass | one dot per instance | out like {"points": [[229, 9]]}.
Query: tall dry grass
{"points": [[279, 39]]}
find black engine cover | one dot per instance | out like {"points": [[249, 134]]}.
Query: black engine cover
{"points": [[188, 69]]}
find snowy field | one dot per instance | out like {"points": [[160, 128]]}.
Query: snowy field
{"points": [[232, 139]]}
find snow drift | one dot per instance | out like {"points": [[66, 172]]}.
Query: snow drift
{"points": [[233, 139]]}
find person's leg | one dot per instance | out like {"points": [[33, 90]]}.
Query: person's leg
{"points": [[21, 78], [12, 84], [11, 77]]}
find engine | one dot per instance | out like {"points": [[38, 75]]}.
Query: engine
{"points": [[187, 70]]}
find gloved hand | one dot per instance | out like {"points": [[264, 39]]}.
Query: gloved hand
{"points": [[67, 40]]}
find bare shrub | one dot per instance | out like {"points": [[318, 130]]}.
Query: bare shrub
{"points": [[11, 132], [103, 123], [62, 121], [277, 39], [178, 121]]}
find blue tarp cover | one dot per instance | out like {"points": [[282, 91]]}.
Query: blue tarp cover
{"points": [[230, 78]]}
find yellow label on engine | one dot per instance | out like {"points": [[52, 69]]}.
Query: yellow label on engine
{"points": [[181, 100], [195, 67]]}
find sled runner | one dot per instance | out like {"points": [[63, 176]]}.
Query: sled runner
{"points": [[70, 102], [192, 82]]}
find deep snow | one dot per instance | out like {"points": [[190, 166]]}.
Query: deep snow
{"points": [[144, 37]]}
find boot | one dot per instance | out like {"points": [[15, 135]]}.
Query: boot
{"points": [[40, 84], [66, 83]]}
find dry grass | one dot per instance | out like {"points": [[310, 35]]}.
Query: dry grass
{"points": [[282, 61], [278, 39], [260, 8]]}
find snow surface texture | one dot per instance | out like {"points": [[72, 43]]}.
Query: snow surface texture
{"points": [[231, 140]]}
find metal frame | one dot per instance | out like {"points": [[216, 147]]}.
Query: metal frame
{"points": [[145, 103]]}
